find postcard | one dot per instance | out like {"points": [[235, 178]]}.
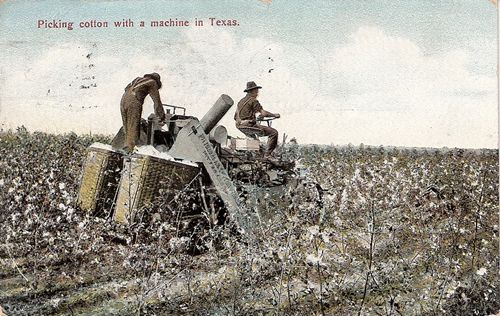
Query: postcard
{"points": [[257, 157]]}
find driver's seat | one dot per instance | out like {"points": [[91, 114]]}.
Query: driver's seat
{"points": [[252, 132]]}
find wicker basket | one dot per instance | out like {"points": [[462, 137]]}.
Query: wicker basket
{"points": [[146, 177], [99, 179]]}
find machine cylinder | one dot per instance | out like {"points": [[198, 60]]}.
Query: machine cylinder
{"points": [[216, 112], [218, 134]]}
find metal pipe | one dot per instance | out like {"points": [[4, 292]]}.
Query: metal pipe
{"points": [[216, 112], [218, 134]]}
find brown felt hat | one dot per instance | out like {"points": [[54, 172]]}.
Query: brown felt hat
{"points": [[251, 86]]}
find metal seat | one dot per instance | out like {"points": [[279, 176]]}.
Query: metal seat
{"points": [[252, 132]]}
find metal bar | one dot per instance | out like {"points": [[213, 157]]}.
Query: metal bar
{"points": [[216, 112]]}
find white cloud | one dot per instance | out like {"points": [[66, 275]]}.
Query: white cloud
{"points": [[394, 73], [418, 99]]}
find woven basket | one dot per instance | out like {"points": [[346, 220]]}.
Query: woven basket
{"points": [[99, 179], [144, 178]]}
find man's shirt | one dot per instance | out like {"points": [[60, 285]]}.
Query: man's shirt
{"points": [[247, 108], [141, 87]]}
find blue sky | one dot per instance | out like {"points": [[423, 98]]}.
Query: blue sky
{"points": [[316, 47]]}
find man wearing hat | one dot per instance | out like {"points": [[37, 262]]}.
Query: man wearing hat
{"points": [[245, 119], [131, 105]]}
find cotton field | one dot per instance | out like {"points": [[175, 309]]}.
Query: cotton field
{"points": [[389, 231]]}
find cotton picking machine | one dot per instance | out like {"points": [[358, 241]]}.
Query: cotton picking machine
{"points": [[171, 155]]}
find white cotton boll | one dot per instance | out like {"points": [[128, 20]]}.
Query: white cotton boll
{"points": [[62, 186], [326, 238], [151, 151], [314, 260], [179, 244], [55, 302], [481, 271], [313, 230]]}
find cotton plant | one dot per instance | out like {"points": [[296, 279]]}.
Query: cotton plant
{"points": [[374, 243]]}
